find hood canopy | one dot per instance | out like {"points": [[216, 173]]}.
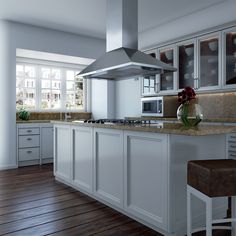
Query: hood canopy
{"points": [[123, 60]]}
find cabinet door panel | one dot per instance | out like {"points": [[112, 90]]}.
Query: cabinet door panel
{"points": [[167, 55], [62, 157], [47, 142], [229, 58], [209, 62], [109, 165], [186, 64], [146, 174], [83, 158]]}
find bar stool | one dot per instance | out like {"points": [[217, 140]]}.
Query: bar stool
{"points": [[208, 179]]}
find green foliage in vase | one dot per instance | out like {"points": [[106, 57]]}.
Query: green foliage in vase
{"points": [[24, 114]]}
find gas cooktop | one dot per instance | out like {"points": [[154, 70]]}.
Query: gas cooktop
{"points": [[115, 121]]}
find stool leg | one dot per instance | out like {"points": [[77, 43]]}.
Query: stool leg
{"points": [[189, 213], [208, 217], [233, 215]]}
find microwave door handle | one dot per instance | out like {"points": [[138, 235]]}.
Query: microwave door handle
{"points": [[157, 83]]}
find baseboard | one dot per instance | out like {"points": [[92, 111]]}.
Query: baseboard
{"points": [[8, 167]]}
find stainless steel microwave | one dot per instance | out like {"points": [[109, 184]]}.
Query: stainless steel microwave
{"points": [[159, 106]]}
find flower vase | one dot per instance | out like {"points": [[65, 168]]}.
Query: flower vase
{"points": [[190, 114]]}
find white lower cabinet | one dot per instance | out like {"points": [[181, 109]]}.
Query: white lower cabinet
{"points": [[34, 143], [62, 152], [46, 143], [146, 177], [82, 157], [108, 155]]}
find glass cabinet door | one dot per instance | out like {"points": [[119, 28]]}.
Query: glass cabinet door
{"points": [[229, 57], [150, 82], [186, 64], [208, 61], [166, 81]]}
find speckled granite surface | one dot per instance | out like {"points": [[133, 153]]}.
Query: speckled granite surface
{"points": [[166, 128], [220, 120]]}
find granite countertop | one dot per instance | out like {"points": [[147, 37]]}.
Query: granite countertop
{"points": [[32, 121], [218, 120], [166, 128]]}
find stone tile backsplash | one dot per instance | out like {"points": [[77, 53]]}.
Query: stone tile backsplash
{"points": [[215, 105], [57, 115]]}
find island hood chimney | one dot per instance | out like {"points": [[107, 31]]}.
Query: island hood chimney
{"points": [[123, 59]]}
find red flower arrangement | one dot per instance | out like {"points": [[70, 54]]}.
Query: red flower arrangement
{"points": [[186, 95]]}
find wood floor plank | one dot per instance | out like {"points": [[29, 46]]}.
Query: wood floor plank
{"points": [[98, 225], [48, 217], [11, 217], [38, 203], [34, 197], [65, 223]]}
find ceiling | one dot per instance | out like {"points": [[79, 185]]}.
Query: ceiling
{"points": [[88, 17]]}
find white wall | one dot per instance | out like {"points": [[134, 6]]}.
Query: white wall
{"points": [[209, 17], [128, 95], [13, 36]]}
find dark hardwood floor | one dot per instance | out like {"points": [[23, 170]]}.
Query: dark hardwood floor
{"points": [[33, 203]]}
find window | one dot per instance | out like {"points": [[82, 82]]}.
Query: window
{"points": [[48, 87], [26, 86]]}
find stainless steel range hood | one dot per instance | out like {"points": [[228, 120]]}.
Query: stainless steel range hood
{"points": [[123, 60]]}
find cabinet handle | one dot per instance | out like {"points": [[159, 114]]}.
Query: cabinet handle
{"points": [[232, 146], [232, 136], [196, 83], [29, 152], [29, 130], [232, 151], [232, 141], [232, 155], [29, 139]]}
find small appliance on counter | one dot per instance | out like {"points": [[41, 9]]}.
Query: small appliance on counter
{"points": [[158, 106]]}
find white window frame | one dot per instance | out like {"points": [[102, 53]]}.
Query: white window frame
{"points": [[63, 67]]}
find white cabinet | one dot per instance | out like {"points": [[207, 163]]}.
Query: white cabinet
{"points": [[28, 144], [208, 61], [186, 59], [167, 80], [34, 143], [46, 136], [150, 84], [146, 177], [229, 58], [62, 152], [231, 146], [82, 157], [108, 152]]}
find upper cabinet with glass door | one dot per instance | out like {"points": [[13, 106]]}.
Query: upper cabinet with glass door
{"points": [[208, 64], [186, 64], [167, 80], [149, 83], [229, 58]]}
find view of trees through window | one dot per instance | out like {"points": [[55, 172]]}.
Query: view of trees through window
{"points": [[40, 87]]}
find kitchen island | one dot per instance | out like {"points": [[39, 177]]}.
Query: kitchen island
{"points": [[139, 169]]}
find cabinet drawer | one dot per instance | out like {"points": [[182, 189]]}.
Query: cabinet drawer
{"points": [[28, 131], [28, 154], [28, 141]]}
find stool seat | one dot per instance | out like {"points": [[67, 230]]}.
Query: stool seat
{"points": [[214, 178]]}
